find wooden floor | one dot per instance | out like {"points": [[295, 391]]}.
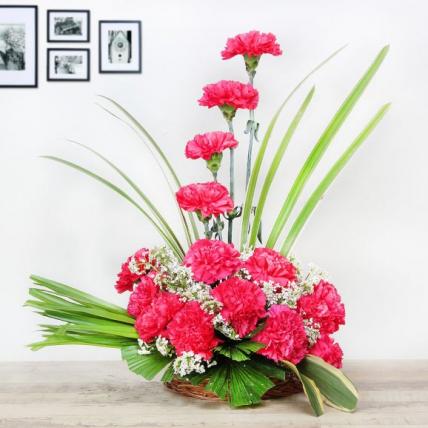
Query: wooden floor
{"points": [[105, 394]]}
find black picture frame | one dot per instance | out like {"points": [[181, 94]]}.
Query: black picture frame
{"points": [[48, 27], [71, 79], [36, 45], [100, 47]]}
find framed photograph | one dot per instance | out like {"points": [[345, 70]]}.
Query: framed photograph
{"points": [[120, 46], [68, 65], [18, 46], [67, 26]]}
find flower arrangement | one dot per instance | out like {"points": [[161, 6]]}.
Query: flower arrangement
{"points": [[237, 318]]}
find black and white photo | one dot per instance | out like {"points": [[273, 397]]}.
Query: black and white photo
{"points": [[68, 25], [120, 46], [18, 46], [68, 65]]}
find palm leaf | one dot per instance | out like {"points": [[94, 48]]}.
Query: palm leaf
{"points": [[248, 204], [275, 165], [147, 366], [139, 129], [321, 146], [328, 179], [174, 247], [76, 295]]}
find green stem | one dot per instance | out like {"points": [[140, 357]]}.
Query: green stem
{"points": [[218, 220], [232, 185], [206, 229], [251, 142]]}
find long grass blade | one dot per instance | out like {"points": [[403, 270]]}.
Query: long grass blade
{"points": [[76, 295], [163, 222], [177, 250], [54, 302], [318, 193], [248, 204], [275, 165], [321, 146], [139, 129]]}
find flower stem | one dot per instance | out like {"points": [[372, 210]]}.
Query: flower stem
{"points": [[207, 229], [232, 185], [251, 132]]}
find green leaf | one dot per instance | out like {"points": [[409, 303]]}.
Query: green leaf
{"points": [[178, 252], [147, 366], [331, 382], [267, 367], [168, 374], [247, 385], [318, 193], [76, 295], [54, 302], [321, 146], [249, 346], [162, 221], [238, 351], [248, 204], [275, 165], [310, 389], [139, 129], [231, 352], [219, 380]]}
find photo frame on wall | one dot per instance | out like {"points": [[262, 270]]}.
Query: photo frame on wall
{"points": [[68, 26], [68, 65], [18, 46], [120, 47]]}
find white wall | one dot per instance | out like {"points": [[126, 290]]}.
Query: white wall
{"points": [[370, 232]]}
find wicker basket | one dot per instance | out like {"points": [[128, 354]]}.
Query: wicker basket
{"points": [[281, 389]]}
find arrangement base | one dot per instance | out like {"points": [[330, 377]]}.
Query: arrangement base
{"points": [[281, 389]]}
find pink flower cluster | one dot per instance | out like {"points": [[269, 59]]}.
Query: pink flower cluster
{"points": [[206, 145], [236, 285], [230, 93], [252, 44], [206, 199]]}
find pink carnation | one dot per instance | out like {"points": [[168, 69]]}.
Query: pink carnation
{"points": [[208, 199], [252, 44], [328, 350], [205, 145], [324, 307], [153, 321], [284, 335], [231, 93], [192, 330], [142, 297], [126, 277], [212, 260], [243, 304], [268, 265]]}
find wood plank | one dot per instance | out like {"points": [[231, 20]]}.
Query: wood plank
{"points": [[106, 394]]}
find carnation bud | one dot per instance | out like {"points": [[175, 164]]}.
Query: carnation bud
{"points": [[251, 63], [228, 112], [214, 163]]}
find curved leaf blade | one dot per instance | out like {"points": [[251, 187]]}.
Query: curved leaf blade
{"points": [[275, 165], [139, 128], [310, 389], [262, 150], [328, 179], [331, 382], [321, 146], [138, 190], [179, 253]]}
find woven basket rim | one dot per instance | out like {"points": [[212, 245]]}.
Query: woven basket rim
{"points": [[281, 389]]}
